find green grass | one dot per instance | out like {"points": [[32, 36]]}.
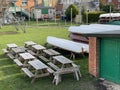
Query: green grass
{"points": [[51, 23], [11, 78]]}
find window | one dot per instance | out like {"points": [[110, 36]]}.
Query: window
{"points": [[118, 0], [24, 2]]}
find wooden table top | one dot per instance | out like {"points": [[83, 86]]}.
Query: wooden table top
{"points": [[19, 49], [27, 56], [11, 45], [30, 43], [38, 65], [51, 52], [62, 59], [38, 47]]}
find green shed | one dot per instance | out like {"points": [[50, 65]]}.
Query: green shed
{"points": [[107, 52], [104, 50], [109, 63]]}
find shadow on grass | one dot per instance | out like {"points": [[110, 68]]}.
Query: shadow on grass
{"points": [[19, 82], [68, 53], [11, 78]]}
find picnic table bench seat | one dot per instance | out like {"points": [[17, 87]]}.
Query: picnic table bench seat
{"points": [[5, 51], [28, 72], [10, 56], [18, 62], [51, 71], [31, 52], [77, 69], [53, 66], [44, 59]]}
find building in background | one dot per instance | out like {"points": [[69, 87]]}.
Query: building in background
{"points": [[92, 5], [44, 9], [26, 7], [116, 3]]}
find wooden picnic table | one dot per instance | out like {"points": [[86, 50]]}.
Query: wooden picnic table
{"points": [[63, 60], [12, 45], [18, 50], [29, 44], [41, 70], [38, 48], [26, 57], [67, 67], [51, 53]]}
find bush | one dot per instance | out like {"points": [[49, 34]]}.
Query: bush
{"points": [[92, 16], [75, 11]]}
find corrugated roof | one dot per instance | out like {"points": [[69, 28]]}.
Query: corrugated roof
{"points": [[96, 30]]}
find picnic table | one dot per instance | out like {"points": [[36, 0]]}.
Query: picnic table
{"points": [[29, 44], [51, 53], [67, 67], [38, 48], [41, 70], [63, 60], [25, 57], [10, 46], [18, 50]]}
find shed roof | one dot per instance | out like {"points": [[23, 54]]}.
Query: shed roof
{"points": [[96, 30]]}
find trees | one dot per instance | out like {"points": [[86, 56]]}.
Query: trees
{"points": [[74, 11], [108, 8]]}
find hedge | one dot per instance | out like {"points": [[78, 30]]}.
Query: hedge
{"points": [[92, 16]]}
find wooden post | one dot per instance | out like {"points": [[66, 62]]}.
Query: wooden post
{"points": [[65, 22], [55, 15], [36, 16], [110, 14], [71, 16], [87, 16]]}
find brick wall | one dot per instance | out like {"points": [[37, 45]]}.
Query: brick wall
{"points": [[93, 56]]}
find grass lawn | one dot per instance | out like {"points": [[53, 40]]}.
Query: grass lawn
{"points": [[11, 78], [51, 23]]}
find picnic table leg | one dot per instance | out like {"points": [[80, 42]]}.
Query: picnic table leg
{"points": [[79, 72], [72, 56], [36, 72], [83, 52], [57, 79], [77, 77], [33, 80]]}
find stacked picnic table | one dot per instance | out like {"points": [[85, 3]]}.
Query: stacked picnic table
{"points": [[37, 61]]}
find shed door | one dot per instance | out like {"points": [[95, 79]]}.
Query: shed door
{"points": [[110, 59]]}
